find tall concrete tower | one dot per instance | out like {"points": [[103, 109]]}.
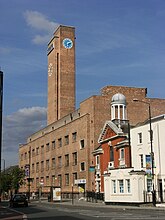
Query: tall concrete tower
{"points": [[61, 73]]}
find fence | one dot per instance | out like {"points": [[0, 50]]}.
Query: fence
{"points": [[157, 197]]}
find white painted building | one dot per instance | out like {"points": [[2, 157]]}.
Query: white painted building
{"points": [[135, 184], [141, 152]]}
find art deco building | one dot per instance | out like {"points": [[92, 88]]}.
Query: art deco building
{"points": [[61, 153]]}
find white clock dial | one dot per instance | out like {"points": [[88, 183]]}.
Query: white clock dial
{"points": [[67, 43]]}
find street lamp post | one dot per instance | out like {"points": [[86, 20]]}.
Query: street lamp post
{"points": [[152, 153]]}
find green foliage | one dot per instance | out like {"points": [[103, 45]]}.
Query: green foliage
{"points": [[12, 179]]}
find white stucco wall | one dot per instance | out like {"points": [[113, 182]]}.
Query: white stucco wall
{"points": [[137, 186], [158, 127]]}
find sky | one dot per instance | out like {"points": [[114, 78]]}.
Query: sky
{"points": [[118, 42]]}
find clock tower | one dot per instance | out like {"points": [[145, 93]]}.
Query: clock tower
{"points": [[61, 73]]}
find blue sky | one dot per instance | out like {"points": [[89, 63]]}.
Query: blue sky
{"points": [[118, 42]]}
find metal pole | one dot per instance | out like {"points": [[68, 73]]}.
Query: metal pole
{"points": [[152, 159], [1, 104], [72, 195]]}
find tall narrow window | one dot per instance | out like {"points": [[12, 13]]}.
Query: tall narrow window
{"points": [[42, 165], [47, 164], [67, 179], [122, 153], [60, 142], [74, 137], [53, 163], [67, 160], [111, 154], [47, 147], [82, 166], [82, 145], [139, 138], [42, 149], [59, 180], [128, 186], [59, 161], [114, 186], [53, 180], [74, 158], [121, 186], [53, 145], [66, 139]]}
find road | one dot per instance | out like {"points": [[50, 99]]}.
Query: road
{"points": [[76, 212]]}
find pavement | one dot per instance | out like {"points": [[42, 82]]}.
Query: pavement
{"points": [[98, 203]]}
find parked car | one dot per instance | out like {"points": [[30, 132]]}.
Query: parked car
{"points": [[18, 200]]}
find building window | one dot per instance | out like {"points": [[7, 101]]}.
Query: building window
{"points": [[53, 145], [42, 149], [74, 137], [42, 166], [33, 168], [53, 163], [82, 144], [74, 158], [67, 160], [114, 186], [47, 164], [59, 180], [128, 185], [141, 161], [82, 166], [33, 152], [47, 181], [149, 185], [53, 180], [60, 142], [25, 156], [111, 154], [37, 167], [66, 139], [67, 179], [140, 138], [47, 147], [121, 186], [59, 161], [74, 177], [37, 151], [122, 154]]}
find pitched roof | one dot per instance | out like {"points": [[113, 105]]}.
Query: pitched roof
{"points": [[113, 126]]}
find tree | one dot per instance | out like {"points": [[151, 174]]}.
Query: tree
{"points": [[12, 179], [17, 175]]}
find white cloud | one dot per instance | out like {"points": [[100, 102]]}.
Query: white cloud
{"points": [[18, 126], [40, 22]]}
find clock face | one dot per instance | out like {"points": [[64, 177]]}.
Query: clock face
{"points": [[67, 43], [50, 69]]}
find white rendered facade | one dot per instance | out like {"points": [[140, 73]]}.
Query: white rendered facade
{"points": [[141, 150]]}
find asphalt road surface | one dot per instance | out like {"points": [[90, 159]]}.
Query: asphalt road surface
{"points": [[62, 212]]}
